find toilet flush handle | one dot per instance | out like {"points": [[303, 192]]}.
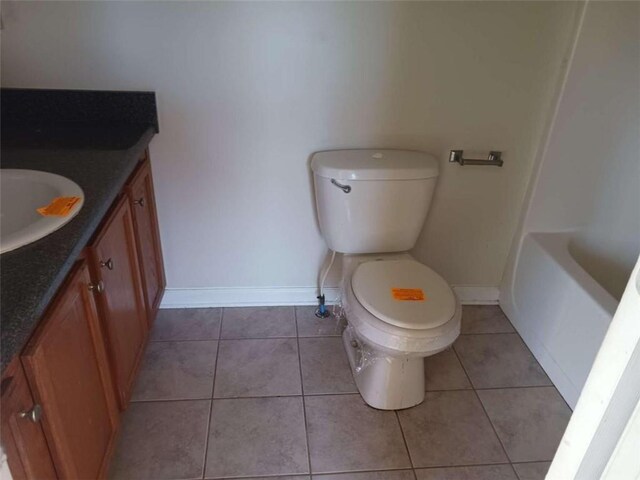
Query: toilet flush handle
{"points": [[344, 188]]}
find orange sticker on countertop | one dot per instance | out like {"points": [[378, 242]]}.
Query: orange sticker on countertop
{"points": [[59, 206], [408, 294]]}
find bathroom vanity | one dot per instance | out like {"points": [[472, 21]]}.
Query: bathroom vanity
{"points": [[77, 305]]}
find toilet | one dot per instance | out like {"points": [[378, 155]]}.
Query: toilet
{"points": [[371, 207]]}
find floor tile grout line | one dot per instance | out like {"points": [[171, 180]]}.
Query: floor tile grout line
{"points": [[213, 386], [199, 340], [434, 467], [341, 472], [241, 338], [519, 387], [404, 439], [161, 400], [344, 472], [304, 403], [328, 394], [346, 394], [319, 336], [255, 397], [471, 334], [186, 340], [260, 477], [504, 450], [279, 337], [464, 370]]}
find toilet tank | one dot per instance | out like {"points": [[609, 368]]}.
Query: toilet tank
{"points": [[372, 201]]}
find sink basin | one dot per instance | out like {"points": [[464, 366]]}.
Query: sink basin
{"points": [[22, 192]]}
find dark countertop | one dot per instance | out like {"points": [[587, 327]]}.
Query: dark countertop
{"points": [[98, 158]]}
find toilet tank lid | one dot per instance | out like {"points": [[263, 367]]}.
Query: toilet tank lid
{"points": [[371, 164]]}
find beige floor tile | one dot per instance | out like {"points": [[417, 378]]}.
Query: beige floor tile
{"points": [[257, 436], [258, 322], [162, 440], [499, 360], [449, 436], [347, 435], [187, 324], [176, 371], [258, 368], [450, 428], [485, 319], [325, 367], [286, 477], [443, 371], [481, 472], [529, 421]]}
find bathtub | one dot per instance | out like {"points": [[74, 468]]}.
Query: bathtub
{"points": [[561, 312]]}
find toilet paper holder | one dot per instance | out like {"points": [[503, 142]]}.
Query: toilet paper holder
{"points": [[494, 159]]}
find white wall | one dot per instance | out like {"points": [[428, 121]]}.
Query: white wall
{"points": [[248, 91]]}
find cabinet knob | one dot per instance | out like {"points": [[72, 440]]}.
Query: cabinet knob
{"points": [[96, 287], [35, 414], [139, 202], [108, 263]]}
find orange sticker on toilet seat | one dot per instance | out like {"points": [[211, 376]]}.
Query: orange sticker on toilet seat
{"points": [[408, 294]]}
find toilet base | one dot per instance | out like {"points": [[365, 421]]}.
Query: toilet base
{"points": [[386, 383]]}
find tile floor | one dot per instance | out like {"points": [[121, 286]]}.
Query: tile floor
{"points": [[267, 392]]}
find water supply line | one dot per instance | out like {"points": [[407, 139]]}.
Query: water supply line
{"points": [[321, 311]]}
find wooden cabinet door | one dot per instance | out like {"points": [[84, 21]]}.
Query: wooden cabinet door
{"points": [[66, 365], [21, 429], [115, 266], [145, 219]]}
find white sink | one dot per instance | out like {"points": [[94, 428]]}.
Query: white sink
{"points": [[22, 192]]}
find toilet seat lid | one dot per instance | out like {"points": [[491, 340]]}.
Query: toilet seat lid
{"points": [[404, 293]]}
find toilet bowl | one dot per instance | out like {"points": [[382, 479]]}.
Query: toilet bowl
{"points": [[387, 339]]}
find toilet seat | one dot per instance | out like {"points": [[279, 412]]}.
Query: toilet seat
{"points": [[403, 293], [391, 339]]}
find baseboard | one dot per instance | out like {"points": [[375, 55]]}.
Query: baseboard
{"points": [[244, 296], [257, 296], [477, 295]]}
